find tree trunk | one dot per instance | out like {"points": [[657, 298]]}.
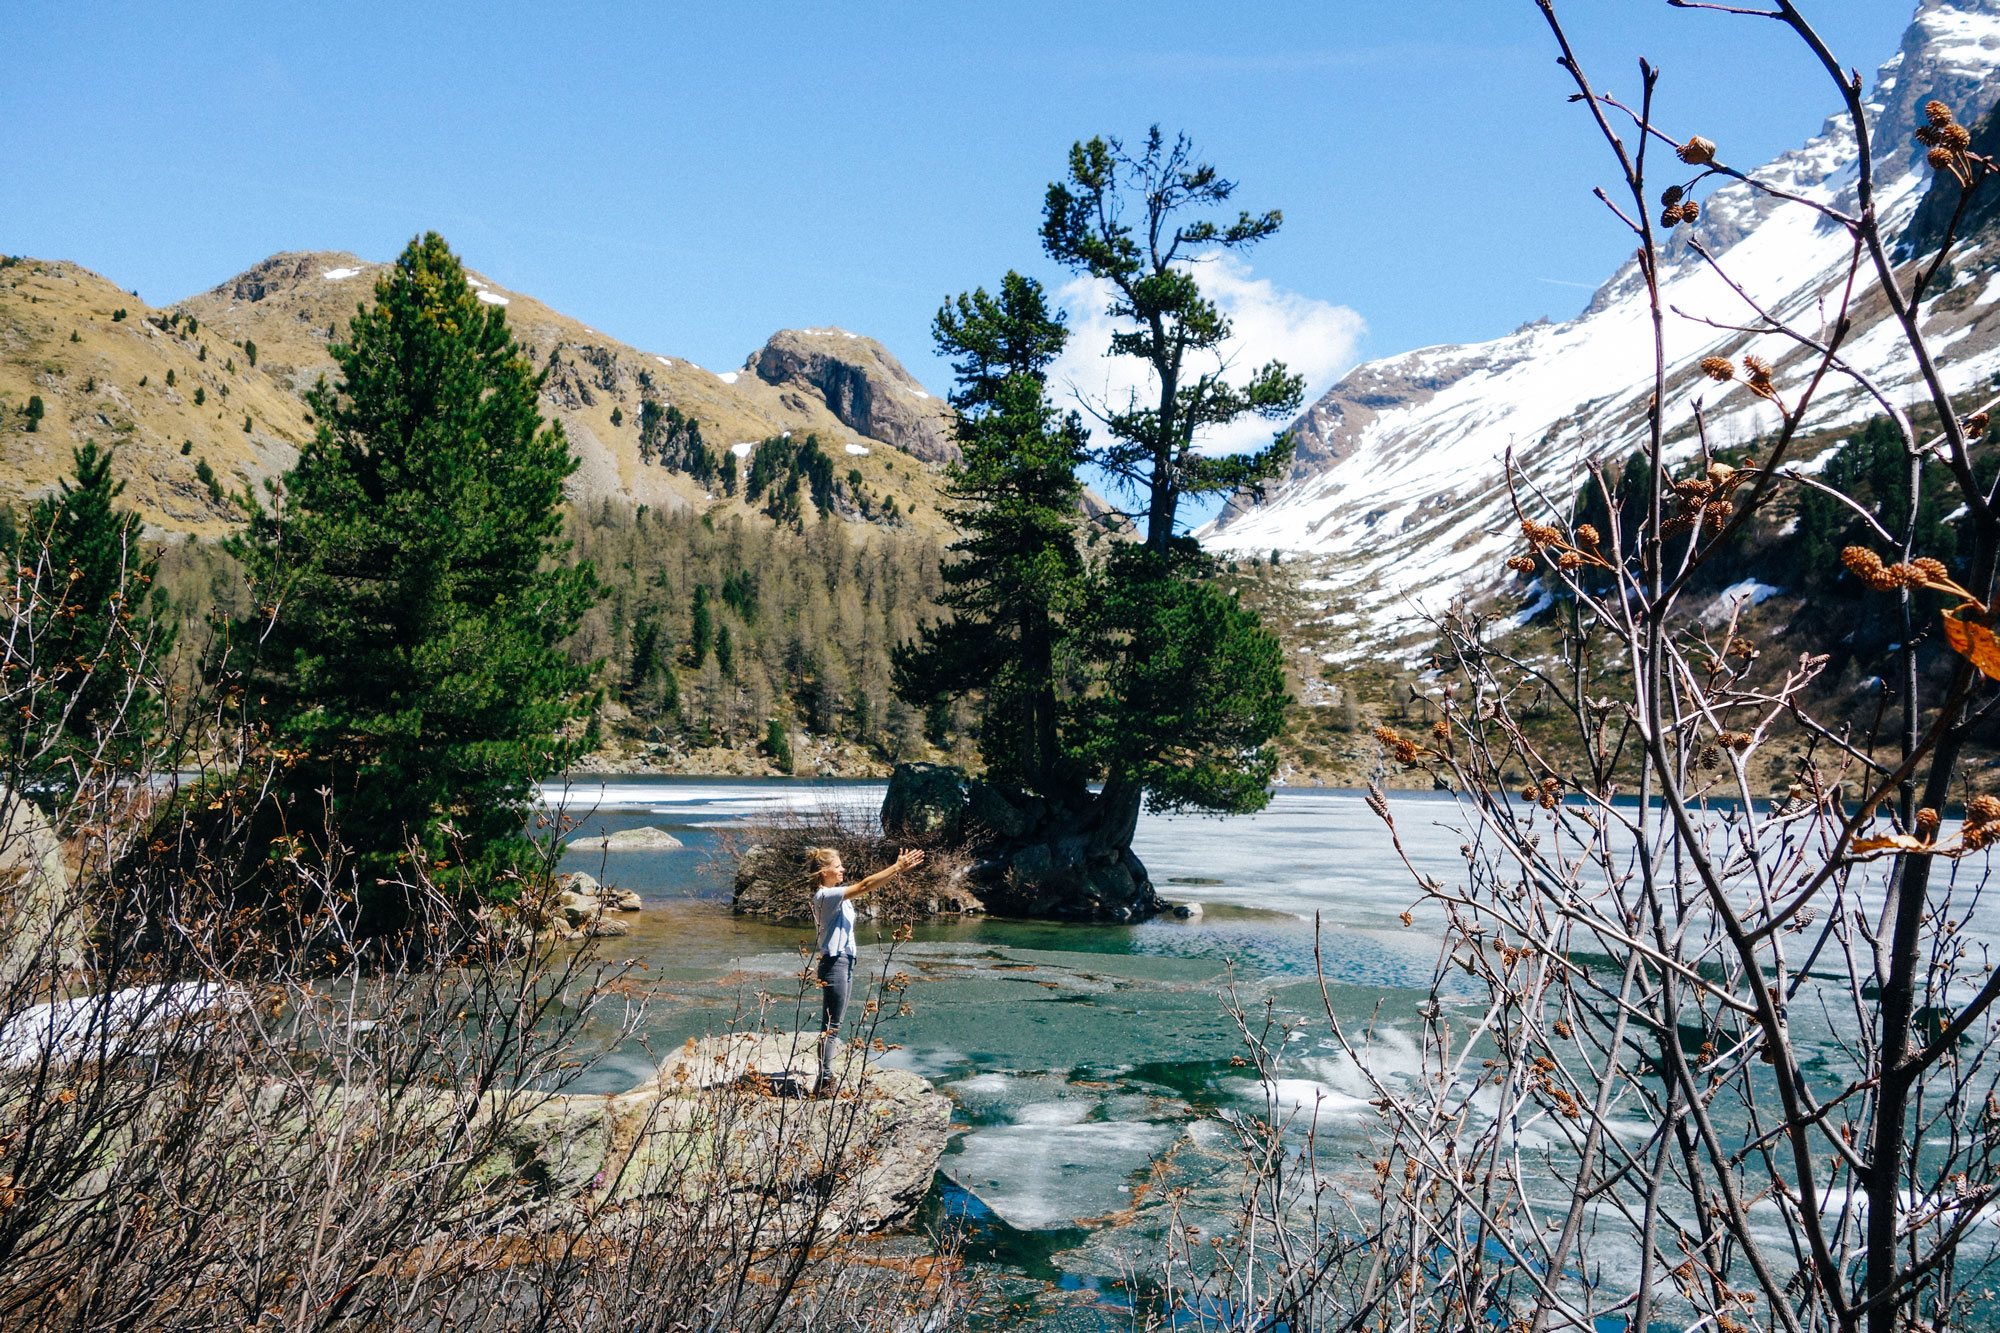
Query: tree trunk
{"points": [[1115, 814]]}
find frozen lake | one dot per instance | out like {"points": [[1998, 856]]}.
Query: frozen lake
{"points": [[1089, 1065], [1078, 1056]]}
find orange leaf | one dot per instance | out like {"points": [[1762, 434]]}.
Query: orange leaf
{"points": [[1975, 643], [1901, 842]]}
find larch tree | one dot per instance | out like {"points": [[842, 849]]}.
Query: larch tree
{"points": [[407, 658]]}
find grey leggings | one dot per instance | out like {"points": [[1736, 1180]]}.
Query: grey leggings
{"points": [[837, 971]]}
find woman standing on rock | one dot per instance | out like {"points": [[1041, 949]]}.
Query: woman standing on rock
{"points": [[833, 913]]}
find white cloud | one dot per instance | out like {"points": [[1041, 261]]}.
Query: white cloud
{"points": [[1316, 339]]}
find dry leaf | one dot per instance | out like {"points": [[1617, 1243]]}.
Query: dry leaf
{"points": [[1900, 842], [1974, 642]]}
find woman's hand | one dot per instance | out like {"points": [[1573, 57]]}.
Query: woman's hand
{"points": [[909, 858]]}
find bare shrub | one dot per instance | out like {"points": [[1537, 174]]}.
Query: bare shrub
{"points": [[1691, 1058], [774, 875]]}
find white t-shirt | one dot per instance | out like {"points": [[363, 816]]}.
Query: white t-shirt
{"points": [[835, 917]]}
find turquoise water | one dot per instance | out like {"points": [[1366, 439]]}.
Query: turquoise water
{"points": [[1080, 1058]]}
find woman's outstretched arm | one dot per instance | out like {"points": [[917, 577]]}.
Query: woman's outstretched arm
{"points": [[875, 881]]}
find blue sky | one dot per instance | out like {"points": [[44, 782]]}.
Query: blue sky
{"points": [[691, 178]]}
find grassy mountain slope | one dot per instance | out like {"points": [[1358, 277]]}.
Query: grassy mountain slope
{"points": [[105, 378], [109, 383], [289, 303]]}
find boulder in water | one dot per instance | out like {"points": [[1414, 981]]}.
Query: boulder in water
{"points": [[645, 838], [924, 801], [577, 884]]}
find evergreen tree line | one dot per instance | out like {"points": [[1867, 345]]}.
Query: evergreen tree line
{"points": [[708, 632]]}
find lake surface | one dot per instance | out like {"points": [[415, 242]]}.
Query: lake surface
{"points": [[1092, 1067], [1080, 1058]]}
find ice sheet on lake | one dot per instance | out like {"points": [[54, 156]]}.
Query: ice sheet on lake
{"points": [[1316, 851], [1049, 1170], [720, 800]]}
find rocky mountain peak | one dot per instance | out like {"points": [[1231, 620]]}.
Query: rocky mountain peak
{"points": [[285, 272], [861, 383]]}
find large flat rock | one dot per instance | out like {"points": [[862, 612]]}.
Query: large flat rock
{"points": [[715, 1116]]}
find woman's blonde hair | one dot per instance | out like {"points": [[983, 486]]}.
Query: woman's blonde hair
{"points": [[820, 857]]}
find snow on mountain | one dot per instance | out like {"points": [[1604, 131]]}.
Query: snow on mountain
{"points": [[1398, 491]]}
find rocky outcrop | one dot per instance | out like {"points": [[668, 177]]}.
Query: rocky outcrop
{"points": [[1941, 202], [924, 801], [722, 1122], [43, 925], [281, 272], [861, 384]]}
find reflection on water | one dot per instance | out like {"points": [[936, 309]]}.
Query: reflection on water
{"points": [[1082, 1059]]}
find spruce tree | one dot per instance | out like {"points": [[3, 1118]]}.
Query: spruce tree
{"points": [[778, 745], [411, 665], [89, 638], [1014, 493]]}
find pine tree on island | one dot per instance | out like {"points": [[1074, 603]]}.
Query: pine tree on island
{"points": [[1018, 581], [406, 656], [1115, 662]]}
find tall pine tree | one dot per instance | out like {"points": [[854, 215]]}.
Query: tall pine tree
{"points": [[409, 662], [1193, 685], [1014, 493]]}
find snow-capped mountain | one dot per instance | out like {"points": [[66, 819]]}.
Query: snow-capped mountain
{"points": [[1397, 490]]}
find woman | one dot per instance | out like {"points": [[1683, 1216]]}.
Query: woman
{"points": [[833, 913]]}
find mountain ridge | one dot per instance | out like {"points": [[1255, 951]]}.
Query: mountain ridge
{"points": [[1401, 466], [887, 434]]}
